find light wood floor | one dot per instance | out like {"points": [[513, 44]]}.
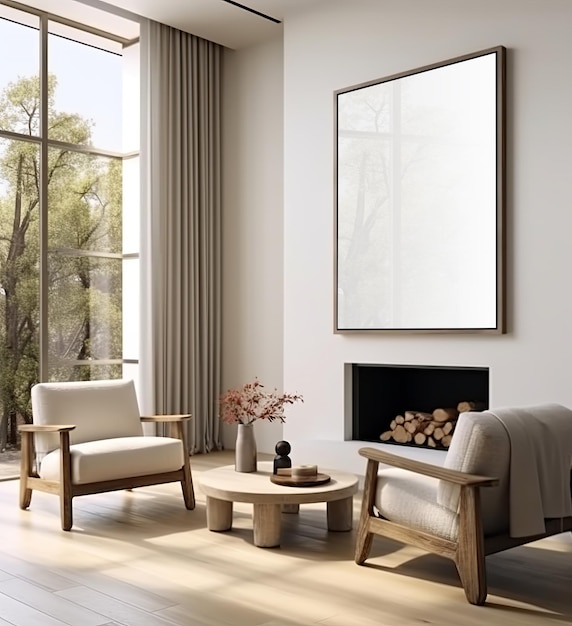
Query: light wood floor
{"points": [[141, 558]]}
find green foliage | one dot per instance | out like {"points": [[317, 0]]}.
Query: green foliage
{"points": [[84, 215]]}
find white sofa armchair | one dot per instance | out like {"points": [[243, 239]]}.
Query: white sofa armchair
{"points": [[87, 437], [505, 482]]}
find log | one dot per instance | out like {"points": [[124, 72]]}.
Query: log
{"points": [[464, 407], [446, 441], [400, 434], [438, 434], [409, 415], [386, 436], [444, 415], [429, 429], [448, 427], [420, 438], [399, 419], [412, 426], [392, 424], [424, 417], [431, 442]]}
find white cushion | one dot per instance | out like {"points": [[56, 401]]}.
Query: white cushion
{"points": [[99, 409], [122, 457], [411, 499], [480, 445]]}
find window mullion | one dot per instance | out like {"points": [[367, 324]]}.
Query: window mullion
{"points": [[43, 195]]}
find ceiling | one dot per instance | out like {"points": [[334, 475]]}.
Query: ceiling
{"points": [[235, 24]]}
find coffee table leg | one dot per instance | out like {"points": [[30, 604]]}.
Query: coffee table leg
{"points": [[290, 508], [219, 514], [266, 522], [340, 514]]}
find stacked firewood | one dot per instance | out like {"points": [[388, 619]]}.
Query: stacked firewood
{"points": [[433, 430]]}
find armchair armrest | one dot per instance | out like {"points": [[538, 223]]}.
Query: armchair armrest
{"points": [[27, 473], [453, 476], [45, 428], [166, 418], [172, 422]]}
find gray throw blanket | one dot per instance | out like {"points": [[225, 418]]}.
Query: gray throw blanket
{"points": [[541, 455]]}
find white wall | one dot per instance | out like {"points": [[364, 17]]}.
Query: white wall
{"points": [[252, 225], [345, 43], [278, 317]]}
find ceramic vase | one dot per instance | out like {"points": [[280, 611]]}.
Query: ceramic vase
{"points": [[245, 451]]}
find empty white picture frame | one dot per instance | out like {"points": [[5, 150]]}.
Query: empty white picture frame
{"points": [[419, 171]]}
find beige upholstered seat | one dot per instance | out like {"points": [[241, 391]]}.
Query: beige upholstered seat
{"points": [[465, 507], [87, 437]]}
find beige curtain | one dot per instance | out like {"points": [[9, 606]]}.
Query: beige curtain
{"points": [[180, 256]]}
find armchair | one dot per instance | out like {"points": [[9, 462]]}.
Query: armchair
{"points": [[87, 438], [505, 482]]}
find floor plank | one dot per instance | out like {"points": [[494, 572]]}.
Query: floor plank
{"points": [[50, 604], [139, 557]]}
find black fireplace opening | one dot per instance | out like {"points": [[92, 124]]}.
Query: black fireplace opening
{"points": [[380, 393]]}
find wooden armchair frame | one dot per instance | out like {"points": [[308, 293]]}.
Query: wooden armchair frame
{"points": [[67, 490], [468, 552]]}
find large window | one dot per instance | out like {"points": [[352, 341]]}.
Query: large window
{"points": [[67, 162]]}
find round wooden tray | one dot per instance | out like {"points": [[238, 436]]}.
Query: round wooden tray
{"points": [[300, 481]]}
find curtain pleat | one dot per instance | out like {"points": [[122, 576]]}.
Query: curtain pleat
{"points": [[181, 231]]}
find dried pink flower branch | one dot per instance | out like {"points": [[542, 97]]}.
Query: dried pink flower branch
{"points": [[250, 403]]}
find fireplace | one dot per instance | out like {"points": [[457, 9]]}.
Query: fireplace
{"points": [[380, 393]]}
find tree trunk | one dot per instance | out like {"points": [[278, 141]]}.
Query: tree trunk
{"points": [[18, 331]]}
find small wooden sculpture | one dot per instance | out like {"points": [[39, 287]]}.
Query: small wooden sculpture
{"points": [[282, 459]]}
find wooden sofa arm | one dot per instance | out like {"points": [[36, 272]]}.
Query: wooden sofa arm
{"points": [[27, 473], [453, 476], [166, 418], [28, 431], [45, 428], [174, 422]]}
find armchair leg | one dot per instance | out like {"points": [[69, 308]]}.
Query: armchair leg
{"points": [[364, 537], [470, 557], [25, 494], [187, 480], [473, 578], [187, 485], [66, 514], [26, 459], [363, 542]]}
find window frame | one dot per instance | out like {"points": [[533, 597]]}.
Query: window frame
{"points": [[45, 143]]}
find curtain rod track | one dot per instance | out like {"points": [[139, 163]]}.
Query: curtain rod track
{"points": [[250, 10]]}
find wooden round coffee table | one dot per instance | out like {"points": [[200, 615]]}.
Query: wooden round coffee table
{"points": [[223, 486]]}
